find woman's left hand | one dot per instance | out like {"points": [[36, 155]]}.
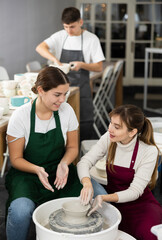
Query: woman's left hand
{"points": [[97, 203], [61, 175]]}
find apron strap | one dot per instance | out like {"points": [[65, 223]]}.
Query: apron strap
{"points": [[64, 41], [82, 47], [57, 119], [134, 154], [32, 117]]}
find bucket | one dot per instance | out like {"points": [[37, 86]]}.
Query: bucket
{"points": [[111, 216]]}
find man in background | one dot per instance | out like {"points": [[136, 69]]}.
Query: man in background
{"points": [[82, 49]]}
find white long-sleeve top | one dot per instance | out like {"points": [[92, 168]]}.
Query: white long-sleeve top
{"points": [[144, 164]]}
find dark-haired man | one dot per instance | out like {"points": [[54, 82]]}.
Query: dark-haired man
{"points": [[82, 49]]}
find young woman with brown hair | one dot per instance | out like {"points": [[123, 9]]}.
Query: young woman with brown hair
{"points": [[43, 143], [132, 162]]}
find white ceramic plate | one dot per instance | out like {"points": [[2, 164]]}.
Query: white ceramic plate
{"points": [[124, 236]]}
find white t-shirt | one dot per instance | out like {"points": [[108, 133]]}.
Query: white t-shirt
{"points": [[92, 50], [144, 164], [19, 123]]}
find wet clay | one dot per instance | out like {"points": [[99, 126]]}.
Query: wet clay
{"points": [[59, 222]]}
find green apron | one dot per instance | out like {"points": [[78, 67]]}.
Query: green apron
{"points": [[45, 150]]}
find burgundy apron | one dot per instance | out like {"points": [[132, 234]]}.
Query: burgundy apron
{"points": [[140, 215]]}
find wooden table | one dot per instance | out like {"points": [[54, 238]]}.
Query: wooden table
{"points": [[119, 85], [73, 100]]}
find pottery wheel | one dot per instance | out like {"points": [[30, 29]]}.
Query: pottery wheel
{"points": [[92, 224]]}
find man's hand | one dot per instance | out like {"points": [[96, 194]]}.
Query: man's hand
{"points": [[75, 66]]}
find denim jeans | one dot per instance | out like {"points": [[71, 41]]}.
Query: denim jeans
{"points": [[19, 218], [98, 188]]}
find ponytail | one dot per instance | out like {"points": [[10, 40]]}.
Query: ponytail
{"points": [[111, 156], [147, 137], [146, 134]]}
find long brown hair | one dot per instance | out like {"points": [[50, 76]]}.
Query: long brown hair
{"points": [[134, 118], [50, 77]]}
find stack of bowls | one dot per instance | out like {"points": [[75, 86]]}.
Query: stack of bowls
{"points": [[9, 88], [1, 112], [4, 103]]}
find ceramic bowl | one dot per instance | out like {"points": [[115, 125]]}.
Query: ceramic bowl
{"points": [[75, 209], [31, 77], [101, 167], [65, 67], [4, 103], [19, 77], [9, 84], [1, 112], [9, 92]]}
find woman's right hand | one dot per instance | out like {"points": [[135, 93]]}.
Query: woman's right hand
{"points": [[86, 194], [43, 177]]}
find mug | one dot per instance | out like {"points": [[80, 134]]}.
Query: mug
{"points": [[17, 101]]}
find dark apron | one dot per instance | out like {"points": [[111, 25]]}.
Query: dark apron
{"points": [[140, 215], [45, 150], [81, 80]]}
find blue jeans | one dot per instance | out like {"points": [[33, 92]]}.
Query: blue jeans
{"points": [[19, 218], [98, 188]]}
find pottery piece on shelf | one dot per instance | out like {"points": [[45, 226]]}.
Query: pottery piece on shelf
{"points": [[101, 167]]}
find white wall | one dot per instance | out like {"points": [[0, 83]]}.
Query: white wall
{"points": [[23, 25]]}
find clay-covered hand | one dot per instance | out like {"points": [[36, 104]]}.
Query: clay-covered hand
{"points": [[61, 175], [97, 203], [86, 194], [43, 177]]}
